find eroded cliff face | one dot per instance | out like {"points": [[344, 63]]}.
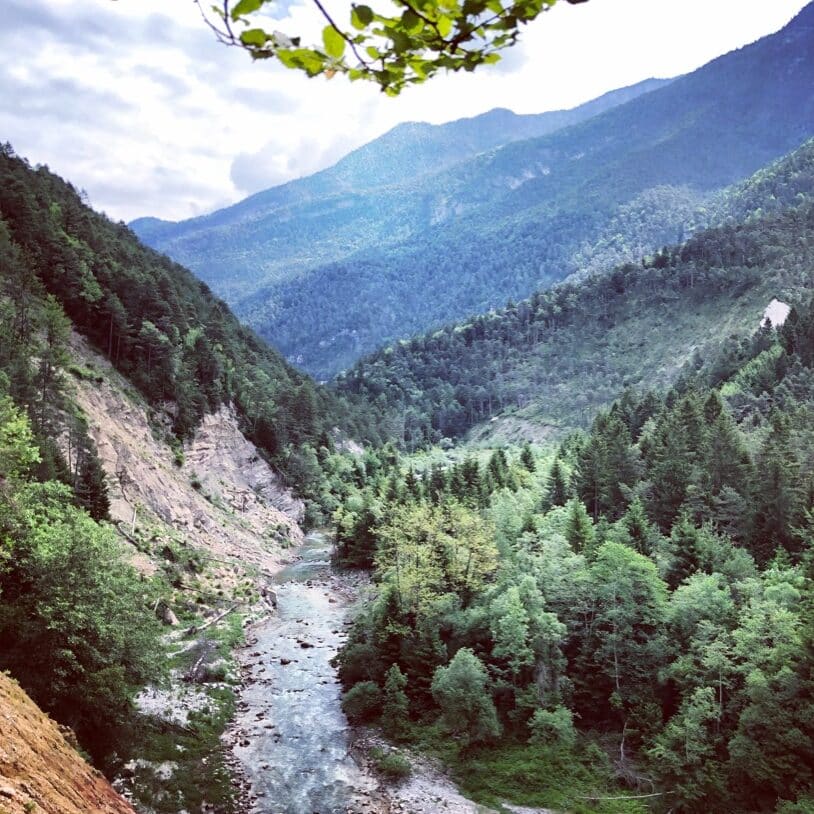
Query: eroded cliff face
{"points": [[39, 770], [223, 498]]}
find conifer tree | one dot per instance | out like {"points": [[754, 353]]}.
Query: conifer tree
{"points": [[395, 717]]}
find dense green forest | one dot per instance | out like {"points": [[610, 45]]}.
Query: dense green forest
{"points": [[560, 355], [636, 608], [162, 328], [327, 275]]}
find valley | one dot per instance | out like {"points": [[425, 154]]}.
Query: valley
{"points": [[501, 499]]}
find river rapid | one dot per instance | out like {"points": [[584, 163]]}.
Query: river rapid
{"points": [[293, 740]]}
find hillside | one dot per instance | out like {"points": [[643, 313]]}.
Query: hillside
{"points": [[39, 770], [280, 233], [547, 364], [155, 322], [511, 220]]}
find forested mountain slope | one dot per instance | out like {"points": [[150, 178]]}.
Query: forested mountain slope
{"points": [[151, 318], [521, 217], [278, 234], [550, 362], [635, 610]]}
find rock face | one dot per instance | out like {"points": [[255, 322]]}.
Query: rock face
{"points": [[39, 770], [222, 498]]}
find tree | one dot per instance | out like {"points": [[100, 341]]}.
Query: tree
{"points": [[404, 45], [396, 707], [557, 489], [684, 754], [460, 690], [579, 530], [626, 637]]}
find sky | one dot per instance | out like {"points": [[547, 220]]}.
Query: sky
{"points": [[134, 102]]}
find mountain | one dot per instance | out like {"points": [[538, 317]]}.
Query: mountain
{"points": [[256, 233], [365, 267], [152, 319], [547, 364]]}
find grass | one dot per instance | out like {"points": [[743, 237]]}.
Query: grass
{"points": [[534, 776]]}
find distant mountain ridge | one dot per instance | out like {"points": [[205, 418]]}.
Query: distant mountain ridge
{"points": [[353, 270], [406, 152]]}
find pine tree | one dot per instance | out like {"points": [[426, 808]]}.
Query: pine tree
{"points": [[557, 489], [527, 458], [778, 497], [579, 530], [395, 718]]}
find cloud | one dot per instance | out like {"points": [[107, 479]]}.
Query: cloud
{"points": [[282, 159], [135, 102]]}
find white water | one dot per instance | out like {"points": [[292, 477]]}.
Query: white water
{"points": [[297, 738]]}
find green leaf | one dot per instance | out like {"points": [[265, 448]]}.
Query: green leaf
{"points": [[411, 21], [361, 17], [444, 25], [401, 42], [245, 7], [334, 42], [254, 37]]}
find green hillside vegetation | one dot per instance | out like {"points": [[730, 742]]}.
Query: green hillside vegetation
{"points": [[377, 265], [76, 628], [633, 617], [556, 358], [160, 326]]}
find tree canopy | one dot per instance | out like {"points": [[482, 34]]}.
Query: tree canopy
{"points": [[405, 44]]}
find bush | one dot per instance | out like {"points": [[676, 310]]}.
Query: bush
{"points": [[362, 702], [391, 764], [552, 727]]}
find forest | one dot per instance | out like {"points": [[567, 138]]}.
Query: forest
{"points": [[563, 353], [636, 606]]}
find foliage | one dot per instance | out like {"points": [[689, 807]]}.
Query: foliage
{"points": [[391, 764], [393, 50], [75, 624], [460, 690]]}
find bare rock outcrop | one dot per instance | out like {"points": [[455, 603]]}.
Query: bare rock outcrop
{"points": [[222, 498]]}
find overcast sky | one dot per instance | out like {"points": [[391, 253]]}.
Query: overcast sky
{"points": [[133, 100]]}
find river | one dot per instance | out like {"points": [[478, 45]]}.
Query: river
{"points": [[290, 736], [295, 739]]}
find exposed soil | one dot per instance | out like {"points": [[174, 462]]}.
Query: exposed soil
{"points": [[40, 772]]}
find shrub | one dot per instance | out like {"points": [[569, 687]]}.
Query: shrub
{"points": [[362, 702]]}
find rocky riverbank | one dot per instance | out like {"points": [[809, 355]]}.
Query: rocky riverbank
{"points": [[292, 749]]}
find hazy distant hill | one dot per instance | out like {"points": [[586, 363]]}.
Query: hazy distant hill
{"points": [[401, 156]]}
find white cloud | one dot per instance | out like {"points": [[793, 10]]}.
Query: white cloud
{"points": [[150, 115]]}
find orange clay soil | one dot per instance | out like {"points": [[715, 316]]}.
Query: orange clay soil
{"points": [[39, 770]]}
